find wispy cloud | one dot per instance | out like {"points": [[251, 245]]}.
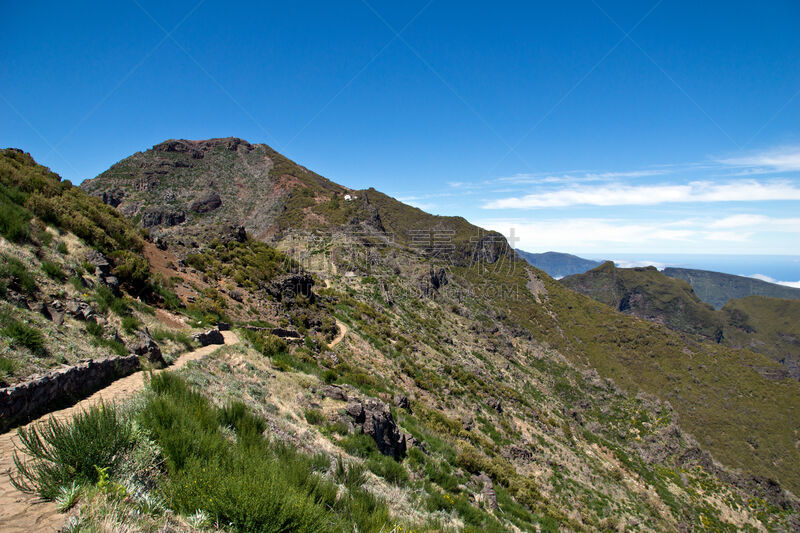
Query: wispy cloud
{"points": [[782, 159], [762, 277], [618, 194], [578, 177], [605, 233]]}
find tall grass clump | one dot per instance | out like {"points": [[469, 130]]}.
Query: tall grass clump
{"points": [[54, 454], [22, 334], [254, 484]]}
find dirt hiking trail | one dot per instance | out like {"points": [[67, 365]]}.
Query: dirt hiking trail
{"points": [[24, 513]]}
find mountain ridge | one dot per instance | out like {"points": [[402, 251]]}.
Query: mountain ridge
{"points": [[717, 288], [566, 413]]}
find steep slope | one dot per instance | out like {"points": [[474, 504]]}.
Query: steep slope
{"points": [[559, 265], [767, 325], [717, 288], [761, 324]]}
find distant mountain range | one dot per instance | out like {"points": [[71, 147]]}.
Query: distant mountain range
{"points": [[754, 321], [558, 264], [717, 288]]}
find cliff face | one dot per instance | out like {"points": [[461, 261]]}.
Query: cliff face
{"points": [[717, 288]]}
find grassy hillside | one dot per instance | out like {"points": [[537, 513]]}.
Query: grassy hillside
{"points": [[648, 294], [767, 325], [523, 406], [717, 288], [761, 324]]}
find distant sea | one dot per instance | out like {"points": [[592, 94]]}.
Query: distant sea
{"points": [[775, 268]]}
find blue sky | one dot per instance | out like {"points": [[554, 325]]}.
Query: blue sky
{"points": [[587, 126]]}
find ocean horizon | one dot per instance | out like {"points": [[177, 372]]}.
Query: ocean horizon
{"points": [[784, 269]]}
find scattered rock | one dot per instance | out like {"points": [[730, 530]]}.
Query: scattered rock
{"points": [[79, 309], [330, 358], [487, 494], [100, 263], [212, 336], [56, 311]]}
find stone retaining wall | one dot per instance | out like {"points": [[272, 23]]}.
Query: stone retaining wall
{"points": [[25, 401]]}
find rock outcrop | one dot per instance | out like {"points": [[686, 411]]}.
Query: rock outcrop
{"points": [[206, 202], [375, 419], [289, 287], [430, 283], [145, 346], [158, 217]]}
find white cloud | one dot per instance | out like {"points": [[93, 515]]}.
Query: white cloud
{"points": [[762, 277], [611, 195], [757, 223], [622, 263], [780, 159], [699, 235], [585, 233], [578, 177]]}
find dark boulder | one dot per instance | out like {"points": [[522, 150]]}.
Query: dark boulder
{"points": [[375, 419], [430, 283], [113, 197], [289, 287], [401, 401], [157, 217], [206, 202], [333, 392], [145, 346], [212, 336]]}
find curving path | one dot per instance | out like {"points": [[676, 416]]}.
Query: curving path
{"points": [[23, 513], [342, 332]]}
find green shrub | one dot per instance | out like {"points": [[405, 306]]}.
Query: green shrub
{"points": [[314, 416], [94, 329], [387, 468], [132, 269], [351, 475], [178, 337], [130, 323], [61, 248], [106, 300], [23, 335], [15, 275], [253, 485], [77, 283], [55, 453], [14, 219], [329, 376], [7, 368], [53, 271], [359, 444]]}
